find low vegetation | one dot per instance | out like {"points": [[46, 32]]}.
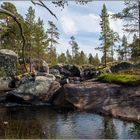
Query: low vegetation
{"points": [[125, 79]]}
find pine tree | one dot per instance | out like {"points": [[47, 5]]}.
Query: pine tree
{"points": [[135, 48], [75, 49], [107, 36], [53, 36], [10, 35], [131, 16], [120, 52], [94, 60], [62, 58], [125, 47], [82, 58], [29, 28], [40, 40], [68, 57]]}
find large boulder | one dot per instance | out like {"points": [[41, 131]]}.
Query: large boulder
{"points": [[66, 70], [109, 99], [89, 73], [40, 65], [8, 61], [34, 91], [121, 66]]}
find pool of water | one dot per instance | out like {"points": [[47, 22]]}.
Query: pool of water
{"points": [[44, 122]]}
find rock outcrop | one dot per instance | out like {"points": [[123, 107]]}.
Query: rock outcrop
{"points": [[8, 61], [33, 91], [108, 99]]}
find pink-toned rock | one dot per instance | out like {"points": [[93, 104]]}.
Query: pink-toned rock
{"points": [[109, 99]]}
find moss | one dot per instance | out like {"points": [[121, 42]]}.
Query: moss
{"points": [[117, 78]]}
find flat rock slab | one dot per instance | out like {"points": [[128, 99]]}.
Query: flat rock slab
{"points": [[105, 98]]}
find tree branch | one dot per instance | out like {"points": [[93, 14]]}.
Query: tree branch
{"points": [[21, 32], [40, 3]]}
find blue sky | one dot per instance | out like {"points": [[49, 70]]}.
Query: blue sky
{"points": [[82, 21]]}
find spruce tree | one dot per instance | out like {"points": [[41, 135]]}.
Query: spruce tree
{"points": [[125, 47], [53, 36], [106, 34], [29, 28], [75, 49]]}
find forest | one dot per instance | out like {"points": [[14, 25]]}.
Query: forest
{"points": [[46, 93], [42, 44]]}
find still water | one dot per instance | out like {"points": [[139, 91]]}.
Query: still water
{"points": [[44, 122]]}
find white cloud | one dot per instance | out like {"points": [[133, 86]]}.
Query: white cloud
{"points": [[68, 25], [116, 24], [75, 22]]}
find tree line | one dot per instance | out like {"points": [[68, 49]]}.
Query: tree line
{"points": [[42, 44]]}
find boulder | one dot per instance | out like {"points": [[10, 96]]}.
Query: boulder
{"points": [[89, 73], [66, 70], [4, 83], [8, 61], [55, 72], [74, 70], [121, 66], [108, 99], [40, 65], [34, 92]]}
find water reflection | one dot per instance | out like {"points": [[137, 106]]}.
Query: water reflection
{"points": [[43, 122], [109, 129]]}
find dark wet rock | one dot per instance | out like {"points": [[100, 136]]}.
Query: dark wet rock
{"points": [[89, 73], [74, 70], [8, 61], [55, 72], [64, 81], [67, 70], [108, 99], [121, 66]]}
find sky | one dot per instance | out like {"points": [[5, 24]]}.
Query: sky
{"points": [[80, 21]]}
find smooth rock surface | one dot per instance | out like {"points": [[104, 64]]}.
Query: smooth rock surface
{"points": [[108, 99]]}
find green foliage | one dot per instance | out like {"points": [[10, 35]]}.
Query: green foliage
{"points": [[108, 36], [135, 49], [62, 58], [94, 60], [126, 79], [130, 15]]}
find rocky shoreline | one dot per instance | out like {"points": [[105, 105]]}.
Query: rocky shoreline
{"points": [[67, 86], [103, 98]]}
